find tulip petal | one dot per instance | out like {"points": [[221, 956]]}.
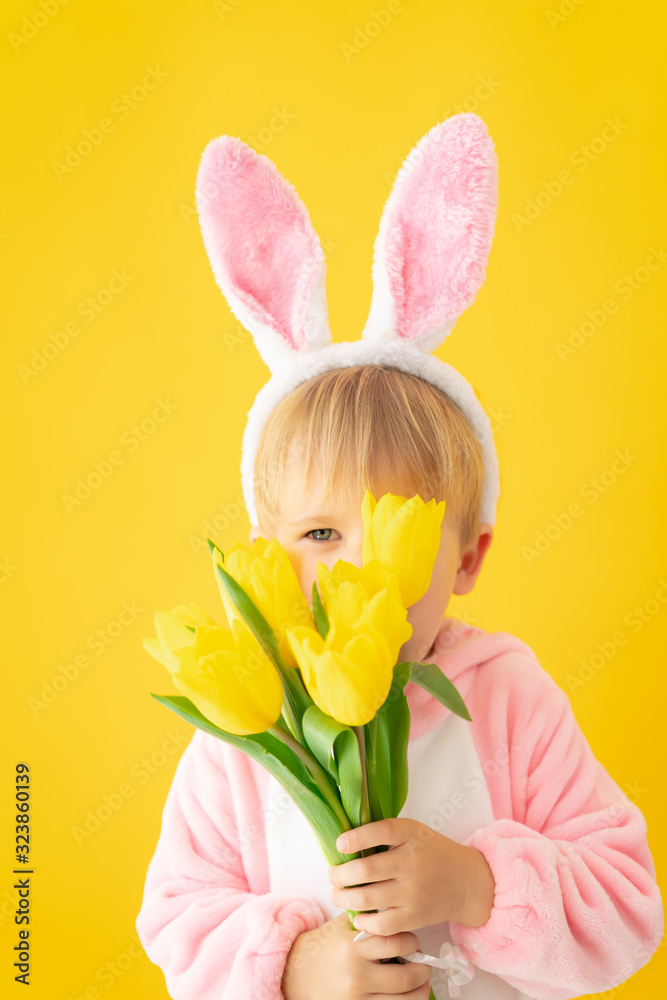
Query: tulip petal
{"points": [[352, 685], [156, 650], [213, 638], [171, 631], [320, 615], [404, 534], [238, 689], [192, 614], [265, 574]]}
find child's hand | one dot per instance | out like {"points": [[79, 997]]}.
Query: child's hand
{"points": [[424, 878], [327, 964]]}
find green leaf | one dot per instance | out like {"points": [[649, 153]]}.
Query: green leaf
{"points": [[387, 738], [293, 686], [392, 753], [402, 674], [251, 614], [320, 732], [336, 748], [346, 749], [212, 546], [370, 741], [256, 745], [430, 677], [285, 766], [319, 614]]}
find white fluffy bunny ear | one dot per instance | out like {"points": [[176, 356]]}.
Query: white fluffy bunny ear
{"points": [[265, 254], [434, 240]]}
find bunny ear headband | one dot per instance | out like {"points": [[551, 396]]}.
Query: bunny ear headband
{"points": [[429, 262]]}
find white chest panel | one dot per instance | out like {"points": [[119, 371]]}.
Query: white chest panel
{"points": [[447, 792]]}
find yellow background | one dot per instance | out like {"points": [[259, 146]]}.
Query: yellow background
{"points": [[552, 81]]}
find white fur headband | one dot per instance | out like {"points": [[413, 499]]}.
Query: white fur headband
{"points": [[429, 262]]}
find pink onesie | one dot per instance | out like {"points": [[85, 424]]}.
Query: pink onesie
{"points": [[237, 873]]}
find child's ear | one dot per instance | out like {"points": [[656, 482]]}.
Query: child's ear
{"points": [[472, 560]]}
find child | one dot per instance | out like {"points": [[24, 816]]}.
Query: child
{"points": [[514, 844]]}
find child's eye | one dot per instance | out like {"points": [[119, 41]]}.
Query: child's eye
{"points": [[320, 531]]}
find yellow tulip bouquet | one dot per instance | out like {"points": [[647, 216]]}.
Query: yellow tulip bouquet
{"points": [[315, 695]]}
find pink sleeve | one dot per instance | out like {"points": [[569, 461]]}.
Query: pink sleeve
{"points": [[576, 907], [212, 936]]}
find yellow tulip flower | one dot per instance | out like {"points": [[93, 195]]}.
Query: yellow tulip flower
{"points": [[404, 535], [372, 575], [348, 674], [265, 573], [365, 595], [173, 632], [224, 672]]}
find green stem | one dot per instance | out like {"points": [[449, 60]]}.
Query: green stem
{"points": [[319, 776], [291, 701], [371, 768], [289, 718], [364, 808]]}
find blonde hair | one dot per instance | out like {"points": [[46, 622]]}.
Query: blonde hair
{"points": [[367, 426]]}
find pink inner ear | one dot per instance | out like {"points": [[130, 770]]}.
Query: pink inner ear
{"points": [[440, 226], [258, 235]]}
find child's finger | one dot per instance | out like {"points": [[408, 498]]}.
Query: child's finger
{"points": [[402, 979], [374, 896], [374, 868], [382, 831], [422, 993], [392, 920], [377, 946]]}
